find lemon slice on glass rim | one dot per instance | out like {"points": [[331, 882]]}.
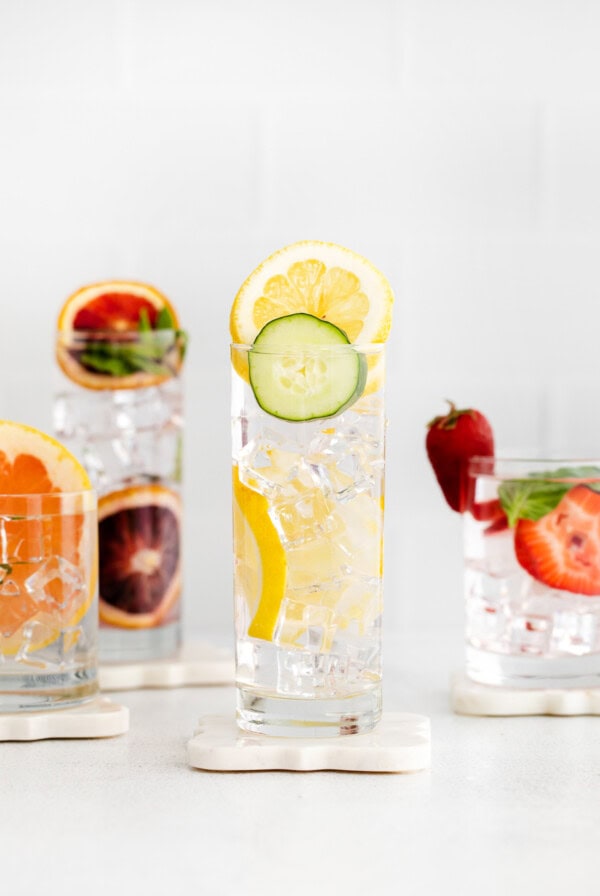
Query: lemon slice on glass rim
{"points": [[325, 280]]}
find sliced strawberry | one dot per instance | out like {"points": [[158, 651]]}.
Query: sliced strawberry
{"points": [[452, 440], [562, 548]]}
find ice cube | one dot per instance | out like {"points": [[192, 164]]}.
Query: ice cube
{"points": [[270, 470], [359, 606], [138, 410], [529, 634], [485, 623], [315, 565], [57, 585], [303, 517], [24, 540], [575, 633], [17, 608], [41, 630], [495, 588], [305, 625]]}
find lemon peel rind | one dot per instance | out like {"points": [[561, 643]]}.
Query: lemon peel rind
{"points": [[254, 508]]}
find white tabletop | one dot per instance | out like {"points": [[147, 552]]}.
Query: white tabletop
{"points": [[510, 806]]}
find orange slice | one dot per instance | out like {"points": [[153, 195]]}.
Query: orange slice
{"points": [[140, 556], [34, 530], [259, 558], [322, 279], [110, 314]]}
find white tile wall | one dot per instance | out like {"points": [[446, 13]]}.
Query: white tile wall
{"points": [[455, 142]]}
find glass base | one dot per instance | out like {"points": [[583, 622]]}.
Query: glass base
{"points": [[120, 645], [512, 671], [311, 717], [31, 693]]}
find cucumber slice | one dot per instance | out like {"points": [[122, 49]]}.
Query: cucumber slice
{"points": [[303, 368]]}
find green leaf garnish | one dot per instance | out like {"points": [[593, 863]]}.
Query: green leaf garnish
{"points": [[540, 493], [148, 354], [164, 320], [144, 322]]}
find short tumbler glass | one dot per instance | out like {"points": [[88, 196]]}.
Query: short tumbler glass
{"points": [[48, 600], [308, 549], [532, 573]]}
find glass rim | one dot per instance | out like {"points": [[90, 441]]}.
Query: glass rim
{"points": [[75, 493], [519, 467], [35, 505], [367, 348], [115, 334]]}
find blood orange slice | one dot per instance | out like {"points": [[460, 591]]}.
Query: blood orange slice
{"points": [[140, 556], [43, 536], [119, 334]]}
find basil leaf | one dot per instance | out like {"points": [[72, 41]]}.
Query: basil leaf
{"points": [[144, 322], [164, 320], [540, 493], [103, 363]]}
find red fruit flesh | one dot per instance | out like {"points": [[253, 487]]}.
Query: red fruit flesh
{"points": [[452, 441], [114, 311], [562, 549], [139, 556]]}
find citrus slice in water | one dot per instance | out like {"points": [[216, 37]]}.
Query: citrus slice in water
{"points": [[52, 542], [118, 334], [140, 556], [325, 280], [259, 558]]}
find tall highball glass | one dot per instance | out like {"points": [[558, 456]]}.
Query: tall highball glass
{"points": [[119, 409], [308, 553]]}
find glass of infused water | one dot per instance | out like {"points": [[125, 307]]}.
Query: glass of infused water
{"points": [[48, 574], [532, 572], [119, 408], [308, 484]]}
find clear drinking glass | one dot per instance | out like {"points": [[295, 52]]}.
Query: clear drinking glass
{"points": [[130, 442], [48, 600], [532, 573], [308, 549]]}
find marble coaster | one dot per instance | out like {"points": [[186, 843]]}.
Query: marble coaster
{"points": [[400, 743], [473, 699], [193, 664], [99, 717]]}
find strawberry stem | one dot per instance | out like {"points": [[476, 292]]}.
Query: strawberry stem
{"points": [[449, 420]]}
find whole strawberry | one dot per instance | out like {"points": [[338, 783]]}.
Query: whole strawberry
{"points": [[452, 440]]}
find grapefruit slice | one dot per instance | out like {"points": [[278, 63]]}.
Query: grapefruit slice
{"points": [[38, 536], [140, 556], [325, 280], [119, 334]]}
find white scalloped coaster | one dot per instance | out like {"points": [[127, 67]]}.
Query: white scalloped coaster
{"points": [[99, 717], [473, 699], [401, 742], [193, 664]]}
